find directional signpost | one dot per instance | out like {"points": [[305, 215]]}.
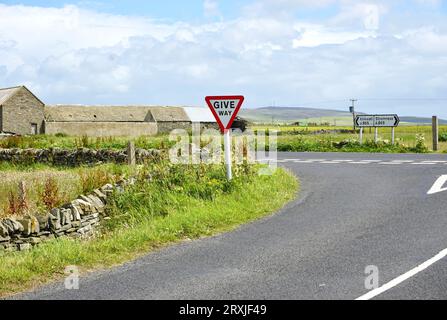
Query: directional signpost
{"points": [[376, 121], [225, 110]]}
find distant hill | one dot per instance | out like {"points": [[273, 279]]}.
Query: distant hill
{"points": [[288, 114], [420, 120], [306, 114]]}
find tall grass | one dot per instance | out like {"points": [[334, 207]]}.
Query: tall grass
{"points": [[49, 186]]}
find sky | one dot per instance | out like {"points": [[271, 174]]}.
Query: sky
{"points": [[391, 55]]}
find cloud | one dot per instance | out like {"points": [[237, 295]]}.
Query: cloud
{"points": [[73, 55], [211, 9]]}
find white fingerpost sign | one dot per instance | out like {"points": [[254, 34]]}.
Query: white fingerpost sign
{"points": [[377, 120], [225, 110]]}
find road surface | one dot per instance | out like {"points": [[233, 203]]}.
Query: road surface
{"points": [[354, 211]]}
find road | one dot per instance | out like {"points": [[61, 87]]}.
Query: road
{"points": [[354, 211]]}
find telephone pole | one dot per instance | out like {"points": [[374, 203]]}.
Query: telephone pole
{"points": [[352, 109]]}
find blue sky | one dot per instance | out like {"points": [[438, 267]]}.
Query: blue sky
{"points": [[391, 55], [189, 10]]}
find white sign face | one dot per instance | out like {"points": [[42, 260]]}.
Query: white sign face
{"points": [[225, 109], [365, 121], [380, 120], [386, 121]]}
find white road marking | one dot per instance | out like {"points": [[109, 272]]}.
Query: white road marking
{"points": [[403, 277], [438, 185], [346, 161], [360, 162], [422, 163], [390, 163]]}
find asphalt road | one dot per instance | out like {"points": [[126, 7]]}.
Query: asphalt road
{"points": [[354, 210]]}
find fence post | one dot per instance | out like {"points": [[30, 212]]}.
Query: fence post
{"points": [[435, 133], [131, 159]]}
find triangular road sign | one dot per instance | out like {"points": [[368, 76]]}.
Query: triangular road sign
{"points": [[224, 109]]}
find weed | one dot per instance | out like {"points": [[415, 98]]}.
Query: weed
{"points": [[50, 196]]}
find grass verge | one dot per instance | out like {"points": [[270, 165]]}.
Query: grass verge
{"points": [[171, 205]]}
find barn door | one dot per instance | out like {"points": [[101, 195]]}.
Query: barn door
{"points": [[33, 128]]}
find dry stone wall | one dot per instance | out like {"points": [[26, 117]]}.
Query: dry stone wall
{"points": [[64, 157], [78, 219]]}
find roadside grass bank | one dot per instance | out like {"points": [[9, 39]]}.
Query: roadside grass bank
{"points": [[169, 203], [329, 144]]}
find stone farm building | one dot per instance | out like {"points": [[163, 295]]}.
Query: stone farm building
{"points": [[23, 113]]}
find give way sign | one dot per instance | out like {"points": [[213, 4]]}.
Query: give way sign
{"points": [[224, 109]]}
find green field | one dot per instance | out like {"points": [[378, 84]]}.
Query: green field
{"points": [[405, 137]]}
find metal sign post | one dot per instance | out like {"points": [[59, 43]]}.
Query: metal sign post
{"points": [[392, 135], [225, 110], [227, 151]]}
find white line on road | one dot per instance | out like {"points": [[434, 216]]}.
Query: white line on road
{"points": [[417, 163], [438, 186], [403, 277], [390, 163]]}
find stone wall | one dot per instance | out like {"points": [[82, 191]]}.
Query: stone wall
{"points": [[167, 127], [102, 129], [20, 111], [77, 157], [77, 219]]}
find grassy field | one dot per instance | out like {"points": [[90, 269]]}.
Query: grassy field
{"points": [[305, 139], [180, 202], [66, 184], [291, 138]]}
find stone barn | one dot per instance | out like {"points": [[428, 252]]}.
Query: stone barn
{"points": [[21, 112], [98, 121]]}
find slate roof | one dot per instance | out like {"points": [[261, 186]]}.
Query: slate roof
{"points": [[7, 93], [77, 113]]}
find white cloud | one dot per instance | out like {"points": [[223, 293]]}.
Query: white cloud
{"points": [[71, 55], [211, 8]]}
